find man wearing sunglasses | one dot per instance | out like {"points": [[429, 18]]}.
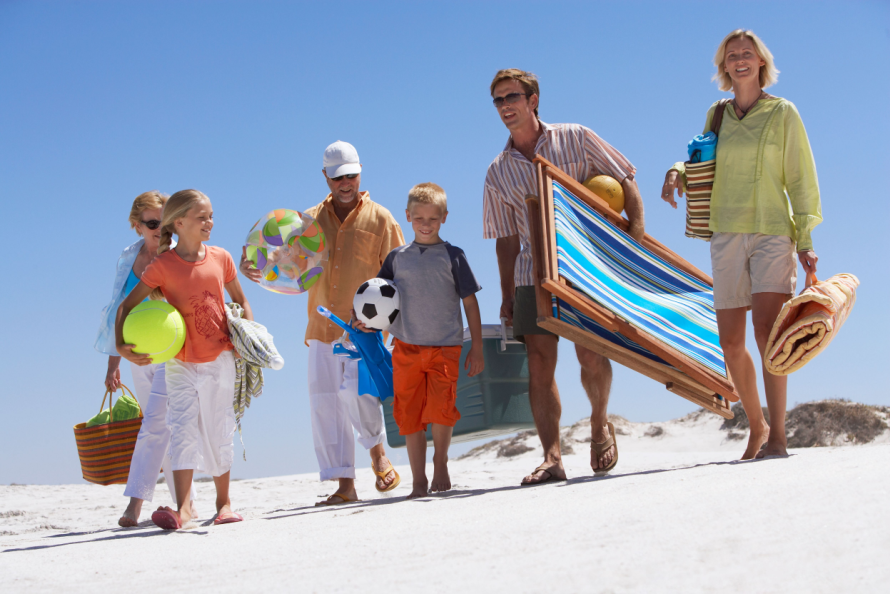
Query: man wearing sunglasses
{"points": [[580, 153], [359, 235]]}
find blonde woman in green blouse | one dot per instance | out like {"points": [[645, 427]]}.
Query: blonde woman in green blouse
{"points": [[765, 200]]}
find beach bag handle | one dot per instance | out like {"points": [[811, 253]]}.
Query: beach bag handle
{"points": [[717, 120], [109, 394]]}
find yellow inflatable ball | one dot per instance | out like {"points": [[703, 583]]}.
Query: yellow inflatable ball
{"points": [[155, 328], [608, 189]]}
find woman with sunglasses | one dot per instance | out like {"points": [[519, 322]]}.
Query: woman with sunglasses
{"points": [[150, 455]]}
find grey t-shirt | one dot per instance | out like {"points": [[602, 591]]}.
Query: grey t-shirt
{"points": [[432, 280]]}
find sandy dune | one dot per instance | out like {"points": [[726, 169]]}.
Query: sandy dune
{"points": [[677, 515]]}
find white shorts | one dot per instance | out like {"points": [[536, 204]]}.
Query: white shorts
{"points": [[747, 263], [200, 414], [153, 443]]}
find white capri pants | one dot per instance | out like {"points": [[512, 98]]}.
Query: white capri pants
{"points": [[336, 408], [200, 414], [152, 445]]}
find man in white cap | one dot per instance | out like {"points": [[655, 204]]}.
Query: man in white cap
{"points": [[359, 234]]}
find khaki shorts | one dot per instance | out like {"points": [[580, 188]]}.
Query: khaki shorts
{"points": [[525, 314], [746, 263]]}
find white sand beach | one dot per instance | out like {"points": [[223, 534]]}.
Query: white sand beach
{"points": [[678, 514]]}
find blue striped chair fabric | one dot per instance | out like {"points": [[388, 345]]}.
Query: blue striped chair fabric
{"points": [[651, 294]]}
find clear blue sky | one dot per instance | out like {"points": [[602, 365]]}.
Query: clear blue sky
{"points": [[101, 101]]}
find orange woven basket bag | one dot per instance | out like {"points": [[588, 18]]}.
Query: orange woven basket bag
{"points": [[105, 450]]}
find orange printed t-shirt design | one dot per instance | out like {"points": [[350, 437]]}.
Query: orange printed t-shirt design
{"points": [[425, 386], [195, 289]]}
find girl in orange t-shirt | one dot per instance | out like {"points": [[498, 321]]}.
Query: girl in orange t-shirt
{"points": [[201, 379]]}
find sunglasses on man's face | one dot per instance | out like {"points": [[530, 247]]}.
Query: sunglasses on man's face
{"points": [[152, 224], [509, 99], [340, 177]]}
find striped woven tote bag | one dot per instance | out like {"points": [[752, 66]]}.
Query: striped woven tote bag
{"points": [[105, 450], [699, 183]]}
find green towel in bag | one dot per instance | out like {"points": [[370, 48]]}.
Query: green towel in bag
{"points": [[125, 408]]}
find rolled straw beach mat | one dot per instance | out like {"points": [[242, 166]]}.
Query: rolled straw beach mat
{"points": [[809, 322]]}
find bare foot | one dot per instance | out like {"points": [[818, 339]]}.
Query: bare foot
{"points": [[773, 450], [130, 517], [421, 489], [756, 439], [600, 435], [441, 478], [544, 473], [381, 464]]}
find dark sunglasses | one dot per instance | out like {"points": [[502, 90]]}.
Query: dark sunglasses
{"points": [[510, 99], [152, 224], [340, 177]]}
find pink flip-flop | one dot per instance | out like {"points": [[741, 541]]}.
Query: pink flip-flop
{"points": [[166, 519], [228, 519]]}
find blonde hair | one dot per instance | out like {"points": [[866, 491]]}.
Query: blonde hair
{"points": [[769, 74], [145, 201], [177, 207], [528, 81], [428, 193]]}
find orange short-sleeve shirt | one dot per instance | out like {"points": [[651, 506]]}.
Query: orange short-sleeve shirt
{"points": [[195, 289]]}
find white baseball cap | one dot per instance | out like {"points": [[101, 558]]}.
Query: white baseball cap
{"points": [[341, 158]]}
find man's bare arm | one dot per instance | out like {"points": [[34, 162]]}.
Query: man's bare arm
{"points": [[508, 249], [633, 206]]}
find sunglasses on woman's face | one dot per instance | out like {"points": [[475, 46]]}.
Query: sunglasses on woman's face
{"points": [[152, 224], [340, 177]]}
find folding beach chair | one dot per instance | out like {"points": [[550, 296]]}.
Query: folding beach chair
{"points": [[638, 304]]}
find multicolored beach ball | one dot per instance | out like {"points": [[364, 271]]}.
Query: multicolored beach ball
{"points": [[288, 247]]}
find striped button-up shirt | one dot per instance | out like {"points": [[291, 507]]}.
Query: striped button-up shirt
{"points": [[576, 150]]}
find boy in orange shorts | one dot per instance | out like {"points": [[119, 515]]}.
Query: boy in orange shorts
{"points": [[433, 277]]}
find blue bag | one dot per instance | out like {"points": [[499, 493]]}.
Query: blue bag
{"points": [[376, 377], [702, 148]]}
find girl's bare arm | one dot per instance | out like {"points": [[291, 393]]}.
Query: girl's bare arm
{"points": [[236, 293]]}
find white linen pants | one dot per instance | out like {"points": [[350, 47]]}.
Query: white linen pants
{"points": [[200, 414], [152, 445], [336, 408]]}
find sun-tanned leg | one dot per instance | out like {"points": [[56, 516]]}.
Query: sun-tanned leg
{"points": [[223, 502], [130, 516], [731, 327], [441, 443], [596, 378], [416, 445], [764, 311], [544, 399], [381, 463], [182, 484]]}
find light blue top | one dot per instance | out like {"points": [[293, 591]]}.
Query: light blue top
{"points": [[132, 281], [105, 342]]}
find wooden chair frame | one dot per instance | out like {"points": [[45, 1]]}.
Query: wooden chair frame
{"points": [[683, 376]]}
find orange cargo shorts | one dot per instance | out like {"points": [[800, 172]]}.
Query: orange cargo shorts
{"points": [[425, 385]]}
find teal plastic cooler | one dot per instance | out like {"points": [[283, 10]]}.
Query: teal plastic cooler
{"points": [[494, 402]]}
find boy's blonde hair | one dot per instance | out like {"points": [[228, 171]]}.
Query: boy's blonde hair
{"points": [[146, 201], [428, 193], [769, 74], [177, 207], [528, 80]]}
